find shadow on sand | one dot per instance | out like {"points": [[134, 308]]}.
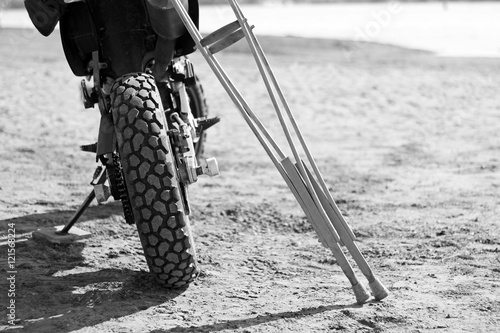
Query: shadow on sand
{"points": [[57, 290], [29, 223], [249, 322]]}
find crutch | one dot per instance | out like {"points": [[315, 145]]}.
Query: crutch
{"points": [[301, 183], [328, 203]]}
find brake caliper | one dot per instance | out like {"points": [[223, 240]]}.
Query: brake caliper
{"points": [[189, 169]]}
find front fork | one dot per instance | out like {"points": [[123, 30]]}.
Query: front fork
{"points": [[183, 134], [183, 137]]}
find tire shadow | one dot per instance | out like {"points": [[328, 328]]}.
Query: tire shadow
{"points": [[58, 290], [72, 302]]}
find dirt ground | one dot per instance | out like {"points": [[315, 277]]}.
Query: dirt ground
{"points": [[407, 142]]}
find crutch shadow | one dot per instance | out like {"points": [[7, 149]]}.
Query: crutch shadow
{"points": [[249, 322]]}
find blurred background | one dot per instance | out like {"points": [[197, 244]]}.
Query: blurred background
{"points": [[448, 28]]}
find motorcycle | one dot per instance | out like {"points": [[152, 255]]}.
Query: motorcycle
{"points": [[133, 57]]}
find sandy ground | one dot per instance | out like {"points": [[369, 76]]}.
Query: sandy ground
{"points": [[407, 142]]}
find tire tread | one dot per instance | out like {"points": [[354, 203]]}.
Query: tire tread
{"points": [[152, 184]]}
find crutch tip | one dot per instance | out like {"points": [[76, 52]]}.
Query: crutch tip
{"points": [[362, 294], [379, 291]]}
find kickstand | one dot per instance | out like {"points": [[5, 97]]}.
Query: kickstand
{"points": [[99, 178], [77, 214], [61, 234]]}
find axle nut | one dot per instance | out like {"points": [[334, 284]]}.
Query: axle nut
{"points": [[210, 167]]}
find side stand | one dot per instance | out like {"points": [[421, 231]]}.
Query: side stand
{"points": [[64, 234], [61, 234]]}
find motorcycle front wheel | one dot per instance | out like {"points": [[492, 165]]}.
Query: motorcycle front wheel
{"points": [[152, 181]]}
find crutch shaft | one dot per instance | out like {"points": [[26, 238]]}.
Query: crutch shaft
{"points": [[378, 289], [265, 71], [328, 203], [299, 135], [324, 229]]}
